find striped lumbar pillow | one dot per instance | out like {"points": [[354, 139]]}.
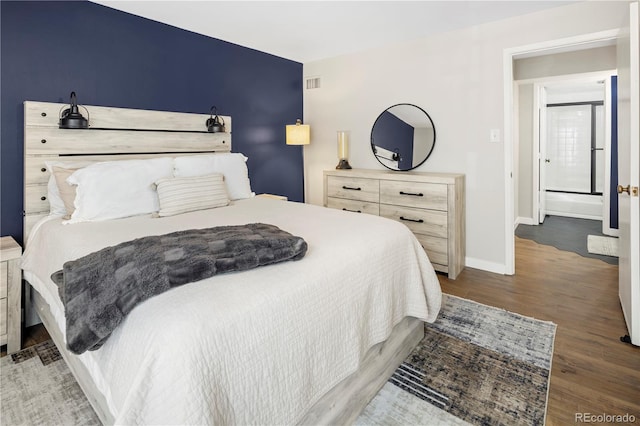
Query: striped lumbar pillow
{"points": [[186, 194]]}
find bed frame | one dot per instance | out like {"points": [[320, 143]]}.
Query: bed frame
{"points": [[119, 133]]}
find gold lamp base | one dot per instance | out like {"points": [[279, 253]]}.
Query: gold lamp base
{"points": [[343, 164]]}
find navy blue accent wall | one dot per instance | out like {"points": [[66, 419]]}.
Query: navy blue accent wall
{"points": [[112, 58], [394, 134], [613, 204]]}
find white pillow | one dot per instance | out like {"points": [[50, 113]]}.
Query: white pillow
{"points": [[56, 205], [232, 165], [115, 189], [67, 192], [179, 195]]}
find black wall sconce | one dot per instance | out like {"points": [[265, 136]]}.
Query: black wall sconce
{"points": [[213, 123], [71, 118]]}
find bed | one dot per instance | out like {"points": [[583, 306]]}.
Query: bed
{"points": [[308, 341]]}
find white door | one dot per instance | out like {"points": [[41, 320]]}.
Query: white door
{"points": [[628, 52], [543, 160]]}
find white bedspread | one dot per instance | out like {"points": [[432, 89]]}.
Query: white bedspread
{"points": [[254, 347]]}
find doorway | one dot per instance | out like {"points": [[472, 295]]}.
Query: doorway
{"points": [[569, 145], [512, 193]]}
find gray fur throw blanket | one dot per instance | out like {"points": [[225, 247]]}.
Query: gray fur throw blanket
{"points": [[100, 289]]}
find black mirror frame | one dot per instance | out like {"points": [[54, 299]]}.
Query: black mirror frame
{"points": [[428, 154]]}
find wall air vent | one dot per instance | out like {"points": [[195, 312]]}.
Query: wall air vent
{"points": [[313, 83]]}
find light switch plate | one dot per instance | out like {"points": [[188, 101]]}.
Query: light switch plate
{"points": [[494, 135]]}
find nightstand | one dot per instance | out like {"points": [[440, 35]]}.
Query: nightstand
{"points": [[275, 197], [10, 295]]}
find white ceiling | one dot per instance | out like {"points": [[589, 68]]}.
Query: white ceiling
{"points": [[306, 31]]}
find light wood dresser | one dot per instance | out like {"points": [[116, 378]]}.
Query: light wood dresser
{"points": [[10, 295], [430, 204]]}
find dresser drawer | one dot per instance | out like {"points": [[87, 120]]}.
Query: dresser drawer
{"points": [[354, 205], [414, 194], [3, 279], [3, 316], [435, 247], [420, 221], [353, 188]]}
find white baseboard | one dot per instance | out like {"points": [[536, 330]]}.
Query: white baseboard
{"points": [[612, 232], [573, 215], [496, 268], [525, 221]]}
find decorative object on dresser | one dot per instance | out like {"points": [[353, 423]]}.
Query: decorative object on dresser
{"points": [[298, 134], [343, 150], [430, 204], [403, 137], [10, 295]]}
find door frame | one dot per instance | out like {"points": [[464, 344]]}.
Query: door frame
{"points": [[606, 214], [509, 54]]}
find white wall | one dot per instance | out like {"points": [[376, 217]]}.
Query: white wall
{"points": [[421, 149], [457, 78], [579, 61]]}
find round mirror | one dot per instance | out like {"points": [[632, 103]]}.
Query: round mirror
{"points": [[403, 137]]}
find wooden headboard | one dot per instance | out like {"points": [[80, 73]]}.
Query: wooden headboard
{"points": [[113, 134]]}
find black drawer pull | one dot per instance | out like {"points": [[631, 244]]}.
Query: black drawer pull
{"points": [[351, 188], [43, 170], [43, 141], [415, 194], [44, 114], [354, 211], [412, 220], [43, 198]]}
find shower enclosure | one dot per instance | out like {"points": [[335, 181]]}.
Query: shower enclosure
{"points": [[575, 159]]}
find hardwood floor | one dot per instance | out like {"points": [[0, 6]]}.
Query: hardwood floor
{"points": [[31, 336], [592, 371]]}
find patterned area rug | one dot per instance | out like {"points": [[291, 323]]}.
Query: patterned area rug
{"points": [[476, 365], [37, 388]]}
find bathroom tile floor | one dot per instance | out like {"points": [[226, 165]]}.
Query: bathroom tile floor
{"points": [[565, 233]]}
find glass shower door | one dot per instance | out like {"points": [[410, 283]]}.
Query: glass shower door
{"points": [[573, 156]]}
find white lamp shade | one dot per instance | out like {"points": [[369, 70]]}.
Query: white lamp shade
{"points": [[298, 134]]}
